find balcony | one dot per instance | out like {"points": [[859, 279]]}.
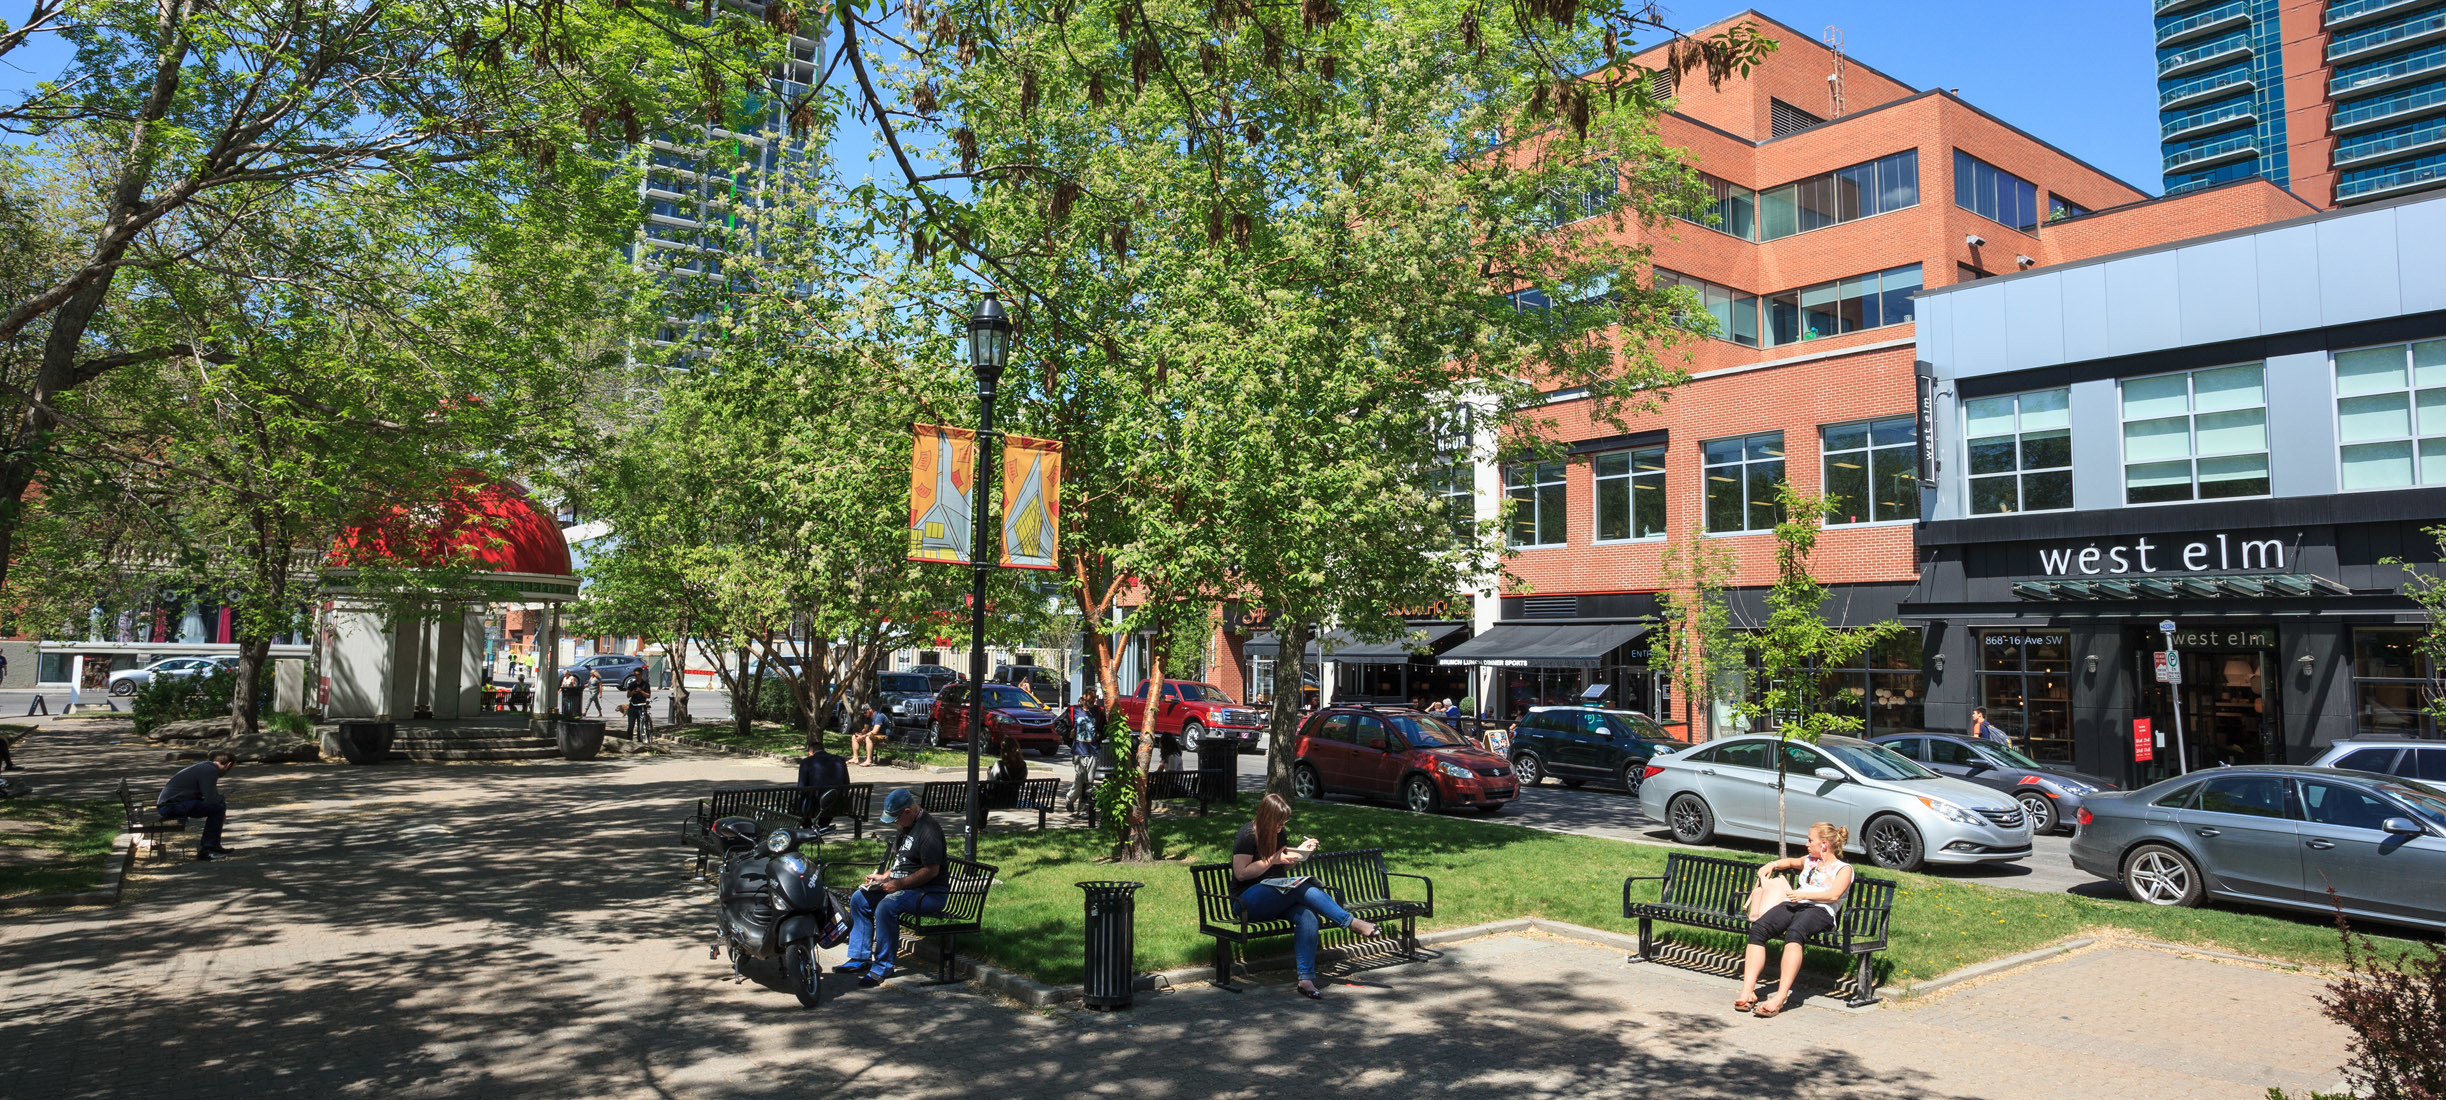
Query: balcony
{"points": [[2203, 57], [2427, 173], [2381, 75], [2244, 111], [2165, 6], [2348, 12], [2237, 147], [2197, 90], [2422, 29], [2197, 26], [2430, 136], [2366, 113]]}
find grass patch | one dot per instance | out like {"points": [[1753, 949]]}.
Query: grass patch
{"points": [[1486, 871], [786, 740], [69, 839]]}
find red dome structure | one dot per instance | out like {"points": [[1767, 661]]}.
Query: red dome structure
{"points": [[496, 527]]}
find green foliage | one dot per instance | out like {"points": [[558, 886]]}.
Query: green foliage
{"points": [[180, 698], [2426, 586], [2395, 1008], [288, 724], [57, 846], [1700, 647]]}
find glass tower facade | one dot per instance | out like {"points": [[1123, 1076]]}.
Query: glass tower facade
{"points": [[2220, 92]]}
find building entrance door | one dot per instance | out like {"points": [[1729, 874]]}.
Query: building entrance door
{"points": [[2228, 706]]}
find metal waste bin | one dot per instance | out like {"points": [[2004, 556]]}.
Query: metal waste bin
{"points": [[1219, 768], [1112, 943]]}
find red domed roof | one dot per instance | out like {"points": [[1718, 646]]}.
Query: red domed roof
{"points": [[496, 527]]}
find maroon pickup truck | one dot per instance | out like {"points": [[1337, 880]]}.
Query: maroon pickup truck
{"points": [[1191, 711]]}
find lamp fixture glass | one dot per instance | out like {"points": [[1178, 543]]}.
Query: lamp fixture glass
{"points": [[989, 340]]}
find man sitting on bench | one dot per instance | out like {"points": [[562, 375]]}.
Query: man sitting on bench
{"points": [[914, 884], [195, 793]]}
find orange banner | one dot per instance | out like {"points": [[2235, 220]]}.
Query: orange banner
{"points": [[942, 473], [1031, 503]]}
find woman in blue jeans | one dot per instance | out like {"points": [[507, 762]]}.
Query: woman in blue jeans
{"points": [[1263, 850]]}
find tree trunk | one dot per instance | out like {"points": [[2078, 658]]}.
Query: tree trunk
{"points": [[1780, 827], [1138, 843], [678, 652], [744, 689], [1282, 727]]}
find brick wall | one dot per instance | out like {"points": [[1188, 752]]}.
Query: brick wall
{"points": [[2301, 23]]}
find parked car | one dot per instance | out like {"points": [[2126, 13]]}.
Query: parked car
{"points": [[2402, 758], [1041, 682], [1578, 744], [2050, 795], [614, 667], [940, 675], [1010, 711], [1397, 752], [907, 698], [1901, 815], [1192, 711], [2275, 835], [130, 680]]}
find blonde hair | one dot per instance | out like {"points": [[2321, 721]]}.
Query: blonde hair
{"points": [[1836, 836]]}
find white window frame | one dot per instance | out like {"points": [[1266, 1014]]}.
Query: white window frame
{"points": [[1535, 485], [1631, 474], [1866, 452], [2411, 392], [2191, 417], [2020, 493], [1742, 464]]}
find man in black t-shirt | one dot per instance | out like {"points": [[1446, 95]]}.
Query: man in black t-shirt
{"points": [[912, 881]]}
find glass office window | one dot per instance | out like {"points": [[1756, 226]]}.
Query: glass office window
{"points": [[1872, 471], [2391, 415], [1536, 492], [2059, 207], [1730, 209], [1874, 300], [1630, 494], [2199, 435], [2390, 683], [1993, 193], [1858, 191], [1741, 474], [2020, 451], [1735, 313], [2025, 685], [1453, 488]]}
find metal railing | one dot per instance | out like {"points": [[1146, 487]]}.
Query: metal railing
{"points": [[2352, 9], [2202, 55], [2205, 119], [2407, 176], [2405, 142], [2421, 62], [2348, 45], [2193, 89], [2378, 110], [2215, 150], [2176, 30]]}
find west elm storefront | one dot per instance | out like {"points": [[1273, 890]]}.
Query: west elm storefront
{"points": [[2233, 435]]}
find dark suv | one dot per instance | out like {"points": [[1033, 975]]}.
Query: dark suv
{"points": [[1389, 752], [1578, 744]]}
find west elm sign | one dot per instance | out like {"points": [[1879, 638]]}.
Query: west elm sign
{"points": [[2219, 553]]}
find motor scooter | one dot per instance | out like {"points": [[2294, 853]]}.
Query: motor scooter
{"points": [[773, 905]]}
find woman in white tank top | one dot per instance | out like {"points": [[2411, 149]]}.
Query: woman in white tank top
{"points": [[1779, 911]]}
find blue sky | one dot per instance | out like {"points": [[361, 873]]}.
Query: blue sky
{"points": [[2077, 74]]}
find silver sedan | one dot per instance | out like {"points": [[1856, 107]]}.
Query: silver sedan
{"points": [[2297, 837], [1900, 814]]}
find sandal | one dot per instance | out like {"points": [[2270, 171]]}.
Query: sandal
{"points": [[1744, 1004], [1769, 1010]]}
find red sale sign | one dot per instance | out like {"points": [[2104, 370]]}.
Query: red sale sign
{"points": [[2144, 745]]}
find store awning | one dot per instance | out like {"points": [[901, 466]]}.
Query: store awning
{"points": [[1544, 645], [1348, 647], [2221, 586]]}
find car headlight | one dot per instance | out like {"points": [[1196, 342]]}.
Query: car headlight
{"points": [[1951, 812], [2075, 788], [1454, 770]]}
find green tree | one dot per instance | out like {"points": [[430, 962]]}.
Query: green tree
{"points": [[2424, 585], [1702, 651]]}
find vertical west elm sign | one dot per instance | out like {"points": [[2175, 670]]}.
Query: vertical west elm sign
{"points": [[1925, 413]]}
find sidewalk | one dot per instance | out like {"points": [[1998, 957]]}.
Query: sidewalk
{"points": [[530, 930]]}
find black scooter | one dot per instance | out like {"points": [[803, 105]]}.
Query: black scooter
{"points": [[772, 904]]}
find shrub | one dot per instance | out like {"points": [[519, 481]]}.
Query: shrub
{"points": [[2396, 1011], [775, 702], [180, 698], [292, 725]]}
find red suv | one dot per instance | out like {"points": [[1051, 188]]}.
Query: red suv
{"points": [[1387, 752], [1009, 712]]}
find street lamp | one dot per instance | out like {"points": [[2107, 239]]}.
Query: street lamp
{"points": [[989, 349]]}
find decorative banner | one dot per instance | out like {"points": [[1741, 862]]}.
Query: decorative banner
{"points": [[940, 476], [2144, 747], [1031, 502]]}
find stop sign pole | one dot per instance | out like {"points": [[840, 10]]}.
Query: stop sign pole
{"points": [[2174, 687]]}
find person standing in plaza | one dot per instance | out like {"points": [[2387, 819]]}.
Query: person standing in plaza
{"points": [[195, 793], [594, 697], [1262, 859], [1086, 750], [914, 882], [640, 708], [1983, 730]]}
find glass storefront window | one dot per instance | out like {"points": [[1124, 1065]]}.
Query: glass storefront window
{"points": [[2025, 685], [2391, 683]]}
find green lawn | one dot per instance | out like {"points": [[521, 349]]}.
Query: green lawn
{"points": [[777, 737], [72, 837], [1487, 871]]}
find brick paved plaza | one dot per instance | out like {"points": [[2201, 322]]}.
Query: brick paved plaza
{"points": [[531, 931]]}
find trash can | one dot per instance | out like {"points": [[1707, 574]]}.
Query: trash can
{"points": [[1112, 943], [1219, 768]]}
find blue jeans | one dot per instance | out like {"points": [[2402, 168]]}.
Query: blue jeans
{"points": [[866, 915], [1306, 907]]}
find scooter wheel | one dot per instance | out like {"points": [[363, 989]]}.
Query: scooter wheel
{"points": [[806, 973], [738, 961]]}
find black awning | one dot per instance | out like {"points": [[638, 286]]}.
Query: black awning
{"points": [[1347, 646], [1544, 645]]}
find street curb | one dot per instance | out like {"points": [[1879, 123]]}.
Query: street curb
{"points": [[114, 880], [1981, 970]]}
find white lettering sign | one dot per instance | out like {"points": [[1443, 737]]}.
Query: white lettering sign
{"points": [[2139, 557]]}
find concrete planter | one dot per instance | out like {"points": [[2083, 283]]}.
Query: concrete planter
{"points": [[580, 738], [359, 741]]}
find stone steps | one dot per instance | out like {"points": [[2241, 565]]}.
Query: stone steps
{"points": [[432, 744]]}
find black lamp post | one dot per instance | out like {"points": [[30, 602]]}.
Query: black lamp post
{"points": [[989, 348]]}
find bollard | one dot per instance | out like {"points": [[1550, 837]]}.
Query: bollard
{"points": [[1112, 943]]}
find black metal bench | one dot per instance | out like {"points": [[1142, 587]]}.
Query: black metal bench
{"points": [[962, 914], [949, 801], [145, 821], [1357, 879], [1713, 892], [1185, 783], [783, 800]]}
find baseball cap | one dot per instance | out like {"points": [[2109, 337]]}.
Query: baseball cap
{"points": [[898, 802]]}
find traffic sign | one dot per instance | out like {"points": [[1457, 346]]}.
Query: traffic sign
{"points": [[2165, 626], [2168, 672]]}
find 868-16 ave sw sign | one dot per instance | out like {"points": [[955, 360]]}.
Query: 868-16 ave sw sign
{"points": [[2223, 552]]}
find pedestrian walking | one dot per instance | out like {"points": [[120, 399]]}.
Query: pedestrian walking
{"points": [[639, 708], [1983, 730], [594, 700], [1086, 750]]}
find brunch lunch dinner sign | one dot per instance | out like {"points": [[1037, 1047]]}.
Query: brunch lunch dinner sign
{"points": [[2223, 552]]}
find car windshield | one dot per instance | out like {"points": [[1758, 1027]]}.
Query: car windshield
{"points": [[1640, 726], [904, 683], [1875, 761], [1423, 732], [1202, 693], [2428, 805], [2010, 757], [1009, 697]]}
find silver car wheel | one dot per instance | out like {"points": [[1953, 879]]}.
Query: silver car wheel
{"points": [[2042, 813], [2161, 878]]}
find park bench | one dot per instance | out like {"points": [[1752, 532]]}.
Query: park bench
{"points": [[962, 914], [782, 800], [1185, 783], [1357, 879], [949, 800], [1713, 892], [145, 822]]}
